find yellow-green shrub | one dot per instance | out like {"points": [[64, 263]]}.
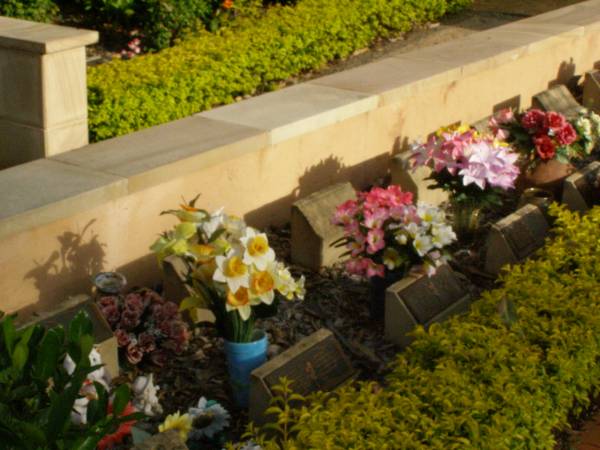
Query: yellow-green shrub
{"points": [[476, 381], [251, 55]]}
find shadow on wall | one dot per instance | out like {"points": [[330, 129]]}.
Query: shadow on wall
{"points": [[325, 173], [67, 271]]}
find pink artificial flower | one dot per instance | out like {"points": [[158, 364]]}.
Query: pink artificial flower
{"points": [[345, 213], [358, 266], [147, 342], [533, 119], [356, 246], [130, 319], [134, 354], [151, 297], [566, 135], [375, 270], [376, 217], [375, 241], [111, 313], [123, 337], [134, 302]]}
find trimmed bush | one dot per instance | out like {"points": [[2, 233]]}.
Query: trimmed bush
{"points": [[250, 56], [36, 10], [482, 381]]}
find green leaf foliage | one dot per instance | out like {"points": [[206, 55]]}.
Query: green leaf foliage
{"points": [[505, 376], [252, 55], [37, 395]]}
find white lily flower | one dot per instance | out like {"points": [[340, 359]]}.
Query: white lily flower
{"points": [[422, 244]]}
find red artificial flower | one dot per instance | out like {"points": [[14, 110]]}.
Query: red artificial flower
{"points": [[111, 440], [533, 119], [554, 121], [566, 135], [545, 147]]}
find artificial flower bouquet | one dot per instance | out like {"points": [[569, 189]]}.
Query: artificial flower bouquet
{"points": [[145, 325], [474, 169], [385, 231], [231, 269], [541, 136]]}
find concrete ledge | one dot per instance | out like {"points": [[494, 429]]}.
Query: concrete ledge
{"points": [[159, 154], [43, 191], [259, 156], [295, 110], [42, 38]]}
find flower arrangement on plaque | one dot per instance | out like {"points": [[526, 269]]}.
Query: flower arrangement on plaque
{"points": [[387, 235], [474, 169]]}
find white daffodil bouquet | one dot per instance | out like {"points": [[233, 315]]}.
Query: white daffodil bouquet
{"points": [[231, 269]]}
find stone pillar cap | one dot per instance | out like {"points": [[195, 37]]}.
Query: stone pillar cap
{"points": [[42, 38]]}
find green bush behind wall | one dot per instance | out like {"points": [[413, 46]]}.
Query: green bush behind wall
{"points": [[479, 381], [252, 55]]}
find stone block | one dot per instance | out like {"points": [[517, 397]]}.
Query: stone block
{"points": [[64, 87], [312, 230], [295, 110], [42, 38], [415, 182], [21, 87], [591, 90], [558, 99], [169, 440], [316, 363], [515, 237], [422, 300], [581, 190], [482, 126], [105, 340]]}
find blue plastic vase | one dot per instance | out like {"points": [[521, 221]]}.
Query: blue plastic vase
{"points": [[242, 359]]}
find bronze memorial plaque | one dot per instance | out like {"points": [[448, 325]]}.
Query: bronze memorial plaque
{"points": [[558, 99], [316, 363], [429, 296], [423, 300], [515, 237]]}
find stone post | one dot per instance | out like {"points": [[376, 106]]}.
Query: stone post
{"points": [[43, 91]]}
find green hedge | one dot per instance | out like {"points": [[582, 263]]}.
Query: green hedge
{"points": [[251, 55], [480, 381], [36, 10]]}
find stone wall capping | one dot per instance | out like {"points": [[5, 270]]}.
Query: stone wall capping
{"points": [[42, 38], [43, 191], [295, 110], [159, 154], [585, 14]]}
